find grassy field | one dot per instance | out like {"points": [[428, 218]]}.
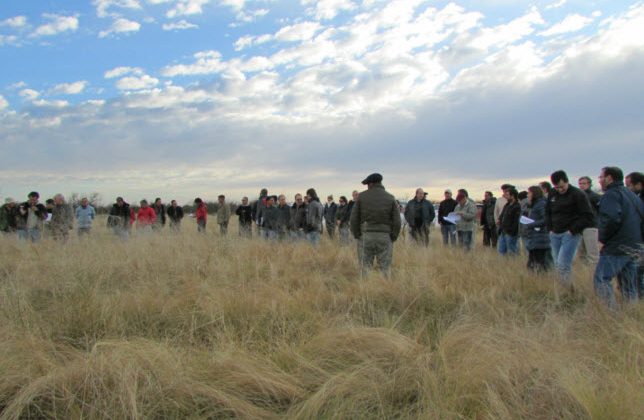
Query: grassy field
{"points": [[194, 326]]}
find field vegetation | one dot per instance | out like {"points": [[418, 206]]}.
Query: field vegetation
{"points": [[202, 326]]}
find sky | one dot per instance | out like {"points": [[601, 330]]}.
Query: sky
{"points": [[186, 98]]}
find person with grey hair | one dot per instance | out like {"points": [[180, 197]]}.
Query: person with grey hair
{"points": [[85, 215], [62, 220]]}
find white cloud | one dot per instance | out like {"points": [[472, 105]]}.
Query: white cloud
{"points": [[8, 40], [29, 94], [298, 32], [571, 23], [57, 25], [4, 104], [15, 22], [252, 15], [17, 85], [328, 9], [508, 33], [50, 104], [102, 6], [122, 71], [137, 83], [121, 25], [70, 88], [180, 25], [187, 7], [207, 62], [237, 5], [556, 5]]}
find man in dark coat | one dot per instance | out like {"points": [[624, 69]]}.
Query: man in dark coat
{"points": [[419, 214], [375, 223], [448, 230], [620, 231], [490, 232], [30, 218], [175, 214], [245, 214], [330, 208], [120, 218]]}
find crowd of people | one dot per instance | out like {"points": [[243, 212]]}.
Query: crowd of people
{"points": [[552, 222]]}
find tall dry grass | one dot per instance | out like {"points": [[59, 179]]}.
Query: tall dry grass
{"points": [[193, 326]]}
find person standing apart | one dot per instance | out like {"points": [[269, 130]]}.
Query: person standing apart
{"points": [[85, 215], [223, 214], [201, 215], [568, 213], [375, 223], [620, 231]]}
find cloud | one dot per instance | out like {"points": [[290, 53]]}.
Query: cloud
{"points": [[4, 104], [187, 7], [121, 25], [571, 23], [57, 24], [502, 35], [237, 5], [298, 32], [8, 40], [328, 9], [70, 88], [178, 26], [248, 16], [556, 5], [29, 94], [207, 62], [15, 22], [137, 83], [50, 104], [102, 6], [122, 71]]}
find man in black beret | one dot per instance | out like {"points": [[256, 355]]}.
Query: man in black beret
{"points": [[375, 223]]}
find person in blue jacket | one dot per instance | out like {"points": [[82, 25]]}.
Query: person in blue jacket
{"points": [[620, 232]]}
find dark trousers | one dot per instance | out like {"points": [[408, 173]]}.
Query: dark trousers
{"points": [[538, 260], [420, 234], [490, 236]]}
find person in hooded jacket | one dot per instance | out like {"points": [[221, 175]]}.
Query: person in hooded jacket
{"points": [[537, 237]]}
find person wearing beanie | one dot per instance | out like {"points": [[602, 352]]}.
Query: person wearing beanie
{"points": [[375, 223], [466, 210]]}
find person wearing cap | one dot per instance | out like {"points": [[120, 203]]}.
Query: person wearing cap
{"points": [[30, 218], [568, 213], [419, 214], [375, 223], [8, 213], [62, 220], [223, 214], [314, 216], [120, 218], [85, 215], [448, 230], [330, 208], [245, 214], [466, 209]]}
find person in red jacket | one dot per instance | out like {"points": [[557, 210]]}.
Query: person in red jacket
{"points": [[146, 217], [201, 215]]}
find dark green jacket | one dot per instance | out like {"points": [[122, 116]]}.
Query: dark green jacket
{"points": [[375, 211]]}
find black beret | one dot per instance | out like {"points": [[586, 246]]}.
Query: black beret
{"points": [[372, 179]]}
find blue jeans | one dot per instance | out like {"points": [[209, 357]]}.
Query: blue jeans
{"points": [[32, 235], [508, 244], [313, 238], [624, 268], [465, 239], [449, 233], [564, 247]]}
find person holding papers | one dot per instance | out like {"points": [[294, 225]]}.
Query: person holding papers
{"points": [[464, 215], [537, 237], [509, 227]]}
